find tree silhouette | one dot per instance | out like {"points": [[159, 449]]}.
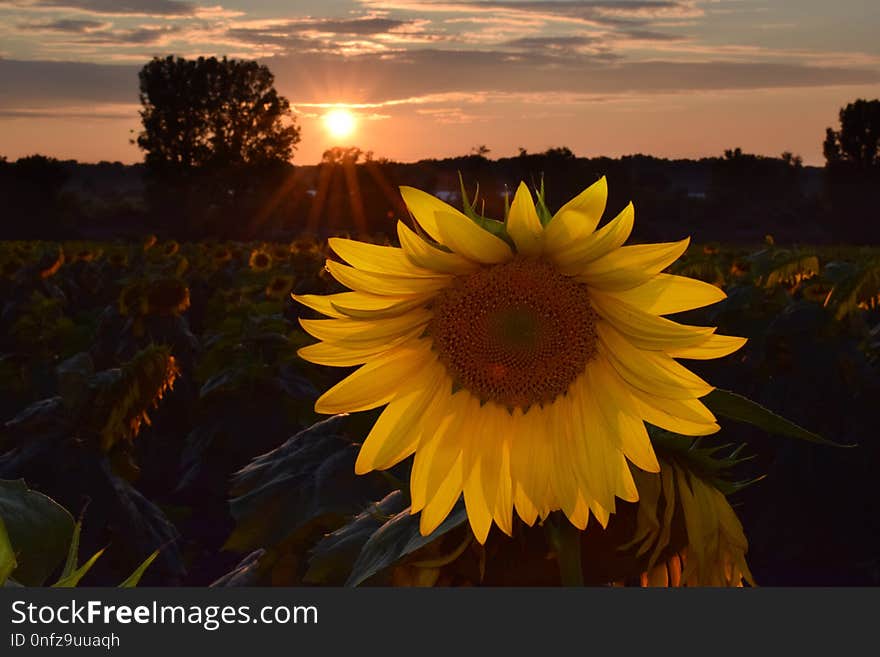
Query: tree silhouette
{"points": [[857, 143], [213, 112], [852, 172]]}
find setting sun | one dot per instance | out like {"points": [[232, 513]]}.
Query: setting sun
{"points": [[340, 123]]}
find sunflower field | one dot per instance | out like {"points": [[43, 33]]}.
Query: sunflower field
{"points": [[468, 404]]}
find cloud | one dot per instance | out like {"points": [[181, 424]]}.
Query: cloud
{"points": [[377, 80], [141, 36], [608, 12], [164, 8], [69, 25], [362, 26], [650, 35], [553, 42], [107, 111], [117, 7]]}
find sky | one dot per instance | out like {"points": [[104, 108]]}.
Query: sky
{"points": [[438, 78]]}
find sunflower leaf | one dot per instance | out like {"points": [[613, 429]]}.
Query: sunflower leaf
{"points": [[7, 556], [38, 528], [739, 408], [397, 538], [134, 579], [308, 477], [72, 552], [332, 557], [73, 578]]}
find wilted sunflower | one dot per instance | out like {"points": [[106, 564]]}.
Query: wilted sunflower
{"points": [[519, 368]]}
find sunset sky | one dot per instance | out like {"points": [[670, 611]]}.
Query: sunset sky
{"points": [[682, 78]]}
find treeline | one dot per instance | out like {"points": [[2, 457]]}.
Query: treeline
{"points": [[736, 197]]}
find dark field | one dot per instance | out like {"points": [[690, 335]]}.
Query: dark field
{"points": [[137, 379]]}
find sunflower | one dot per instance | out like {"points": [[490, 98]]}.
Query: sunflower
{"points": [[519, 362], [260, 260], [279, 287], [166, 296], [170, 248], [222, 255]]}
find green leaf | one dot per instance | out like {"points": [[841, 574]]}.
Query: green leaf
{"points": [[310, 476], [73, 578], [397, 538], [497, 228], [331, 560], [38, 528], [7, 556], [134, 579], [544, 213], [739, 408], [72, 552]]}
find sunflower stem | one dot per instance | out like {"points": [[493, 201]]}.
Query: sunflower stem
{"points": [[566, 541]]}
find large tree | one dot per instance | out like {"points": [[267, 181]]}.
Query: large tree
{"points": [[857, 143], [205, 112], [852, 173]]}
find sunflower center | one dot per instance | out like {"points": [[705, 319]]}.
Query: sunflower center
{"points": [[517, 334]]}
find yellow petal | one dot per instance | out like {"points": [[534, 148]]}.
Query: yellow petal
{"points": [[651, 371], [688, 409], [395, 434], [667, 293], [391, 307], [579, 515], [455, 230], [504, 499], [620, 416], [439, 447], [607, 470], [574, 434], [668, 414], [577, 218], [660, 418], [630, 266], [601, 514], [422, 254], [488, 444], [424, 208], [572, 258], [323, 303], [478, 511], [363, 281], [348, 331], [360, 304], [523, 224], [531, 456], [379, 381], [471, 241], [714, 346], [525, 508], [438, 508], [645, 330], [348, 354], [377, 259]]}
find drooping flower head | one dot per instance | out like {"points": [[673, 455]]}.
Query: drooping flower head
{"points": [[519, 361]]}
